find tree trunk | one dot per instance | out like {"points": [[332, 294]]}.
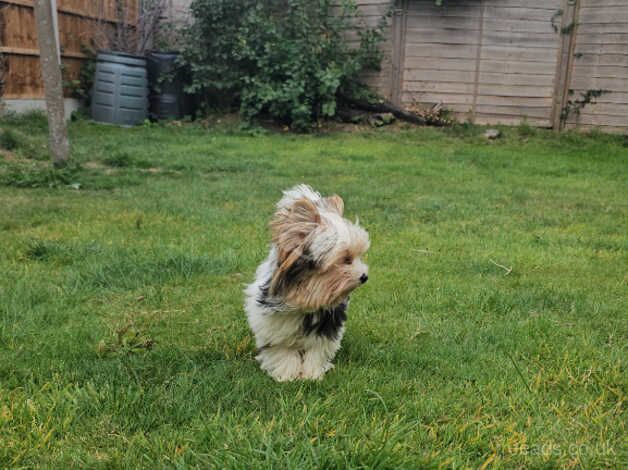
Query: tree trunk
{"points": [[385, 108], [53, 85]]}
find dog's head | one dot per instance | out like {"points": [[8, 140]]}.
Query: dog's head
{"points": [[318, 251]]}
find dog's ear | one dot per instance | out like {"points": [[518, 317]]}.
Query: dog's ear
{"points": [[291, 225], [335, 203], [290, 228]]}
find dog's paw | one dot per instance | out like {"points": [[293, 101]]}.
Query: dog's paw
{"points": [[286, 377], [316, 373], [283, 365]]}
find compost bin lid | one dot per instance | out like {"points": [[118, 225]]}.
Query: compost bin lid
{"points": [[121, 58]]}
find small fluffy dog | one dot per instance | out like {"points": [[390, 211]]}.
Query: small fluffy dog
{"points": [[297, 304]]}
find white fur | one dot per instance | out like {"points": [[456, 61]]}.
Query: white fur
{"points": [[284, 351], [279, 337]]}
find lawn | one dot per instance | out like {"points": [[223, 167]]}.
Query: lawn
{"points": [[492, 331]]}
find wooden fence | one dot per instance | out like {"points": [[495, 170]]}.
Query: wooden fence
{"points": [[81, 22], [489, 61], [505, 61]]}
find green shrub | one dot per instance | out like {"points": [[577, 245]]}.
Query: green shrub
{"points": [[8, 140], [125, 160], [32, 176], [525, 130], [81, 86], [118, 160], [24, 142], [289, 59]]}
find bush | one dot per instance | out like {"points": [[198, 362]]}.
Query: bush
{"points": [[8, 140], [20, 175], [80, 87], [287, 58], [118, 160], [23, 142]]}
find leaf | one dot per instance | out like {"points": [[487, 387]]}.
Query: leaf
{"points": [[329, 108]]}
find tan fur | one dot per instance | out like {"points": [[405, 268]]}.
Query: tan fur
{"points": [[313, 265], [325, 290], [335, 203], [295, 226], [290, 228]]}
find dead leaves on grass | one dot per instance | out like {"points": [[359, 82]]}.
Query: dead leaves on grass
{"points": [[127, 340]]}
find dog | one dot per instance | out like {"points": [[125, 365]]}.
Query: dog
{"points": [[297, 305]]}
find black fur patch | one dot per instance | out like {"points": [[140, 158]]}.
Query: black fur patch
{"points": [[264, 299], [326, 322], [296, 272]]}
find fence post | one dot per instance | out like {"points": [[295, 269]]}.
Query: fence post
{"points": [[567, 31], [478, 61], [400, 15], [3, 63], [53, 86]]}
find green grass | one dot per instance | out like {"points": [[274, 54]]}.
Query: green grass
{"points": [[123, 342]]}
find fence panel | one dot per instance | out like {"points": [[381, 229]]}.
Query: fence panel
{"points": [[600, 65], [506, 61], [81, 22], [442, 47]]}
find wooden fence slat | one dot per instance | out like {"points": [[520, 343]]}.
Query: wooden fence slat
{"points": [[521, 12], [518, 54], [428, 63], [77, 26], [530, 91], [615, 97], [608, 83], [602, 71], [444, 51], [434, 97], [35, 52], [436, 75], [440, 87], [594, 29], [510, 120], [602, 60], [601, 48], [606, 109], [540, 69], [513, 110], [599, 119], [604, 39], [594, 14], [516, 79], [515, 101], [111, 17]]}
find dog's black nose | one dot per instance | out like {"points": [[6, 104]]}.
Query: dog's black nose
{"points": [[364, 278]]}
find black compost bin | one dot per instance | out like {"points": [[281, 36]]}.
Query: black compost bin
{"points": [[167, 80]]}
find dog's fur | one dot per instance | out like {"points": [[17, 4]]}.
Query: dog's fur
{"points": [[297, 304]]}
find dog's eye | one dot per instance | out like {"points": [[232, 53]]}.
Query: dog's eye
{"points": [[347, 260]]}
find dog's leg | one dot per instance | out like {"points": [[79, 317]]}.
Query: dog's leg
{"points": [[282, 364], [316, 362]]}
